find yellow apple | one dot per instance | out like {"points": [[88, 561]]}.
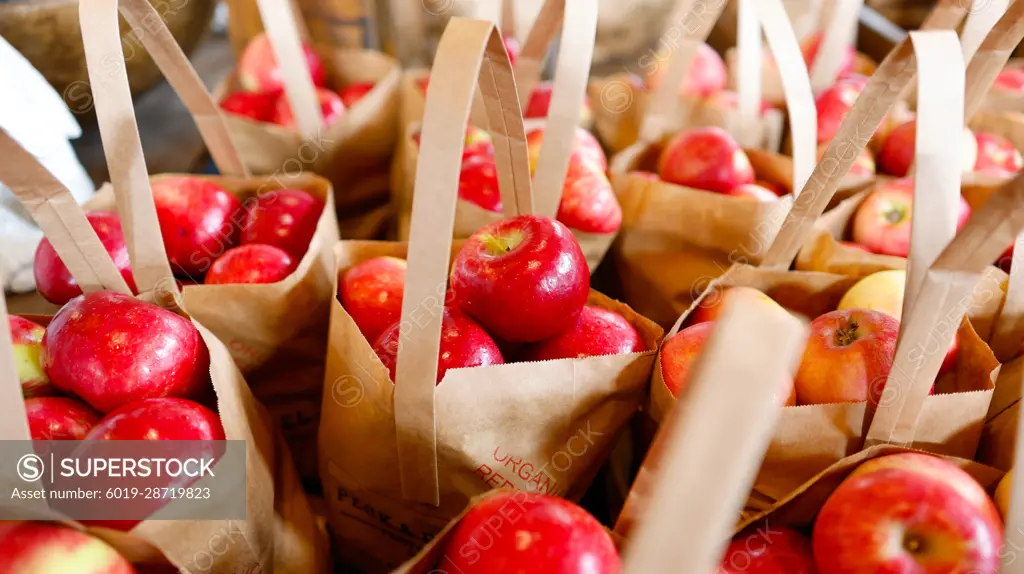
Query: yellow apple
{"points": [[880, 291], [1003, 495]]}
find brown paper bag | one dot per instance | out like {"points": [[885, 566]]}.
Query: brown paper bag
{"points": [[896, 421], [729, 400], [575, 52], [275, 501], [809, 438], [399, 460], [277, 333], [674, 237], [354, 152]]}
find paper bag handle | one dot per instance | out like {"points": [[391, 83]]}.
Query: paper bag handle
{"points": [[508, 19], [837, 35], [1014, 530], [881, 92], [13, 425], [993, 53], [577, 20], [150, 29], [470, 53], [282, 28], [737, 402], [979, 21], [938, 310], [1008, 333], [60, 217], [937, 151]]}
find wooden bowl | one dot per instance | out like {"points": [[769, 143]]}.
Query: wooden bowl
{"points": [[46, 32]]}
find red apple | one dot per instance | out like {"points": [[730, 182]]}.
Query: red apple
{"points": [[834, 103], [59, 418], [768, 549], [530, 265], [45, 548], [110, 349], [540, 101], [352, 93], [863, 165], [753, 191], [28, 347], [528, 532], [847, 358], [597, 332], [809, 48], [198, 220], [284, 218], [371, 292], [512, 48], [331, 108], [159, 419], [478, 182], [906, 514], [996, 155], [463, 344], [730, 100], [882, 221], [1006, 259], [897, 152], [258, 70], [585, 148], [255, 106], [712, 305], [707, 74], [252, 263], [588, 200], [1010, 80], [705, 158], [679, 354], [54, 281]]}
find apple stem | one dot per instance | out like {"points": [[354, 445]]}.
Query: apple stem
{"points": [[846, 335]]}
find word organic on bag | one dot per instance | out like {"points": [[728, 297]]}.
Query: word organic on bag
{"points": [[532, 476]]}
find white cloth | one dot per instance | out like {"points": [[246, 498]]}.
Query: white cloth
{"points": [[35, 115]]}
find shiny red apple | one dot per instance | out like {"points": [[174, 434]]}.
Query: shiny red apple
{"points": [[258, 70], [897, 152], [352, 93], [110, 349], [464, 343], [768, 549], [707, 74], [597, 332], [882, 221], [996, 155], [159, 419], [835, 102], [908, 512], [588, 200], [331, 108], [250, 264], [528, 532], [1010, 79], [540, 101], [753, 191], [371, 292], [530, 265], [198, 221], [585, 148], [478, 182], [28, 348], [255, 106], [31, 547], [705, 158], [59, 418], [54, 281], [284, 218]]}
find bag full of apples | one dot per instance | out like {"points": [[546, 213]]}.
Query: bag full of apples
{"points": [[696, 201], [855, 322], [295, 107], [507, 371], [508, 531], [898, 505], [110, 366], [567, 163], [253, 253], [870, 231]]}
